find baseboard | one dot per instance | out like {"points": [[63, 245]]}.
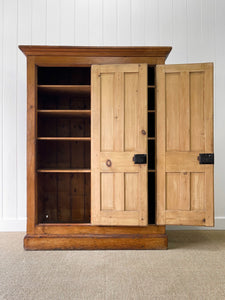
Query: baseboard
{"points": [[20, 225], [8, 225], [219, 225]]}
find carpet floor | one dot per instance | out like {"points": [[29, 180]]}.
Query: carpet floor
{"points": [[192, 268]]}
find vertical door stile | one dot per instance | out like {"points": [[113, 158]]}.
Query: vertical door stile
{"points": [[161, 144], [143, 118], [209, 180], [118, 137], [95, 142]]}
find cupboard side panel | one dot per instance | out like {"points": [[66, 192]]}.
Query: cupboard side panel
{"points": [[31, 149]]}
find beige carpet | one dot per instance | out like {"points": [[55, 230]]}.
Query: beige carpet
{"points": [[192, 268]]}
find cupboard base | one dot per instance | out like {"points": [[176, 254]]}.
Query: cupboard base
{"points": [[111, 241], [95, 243]]}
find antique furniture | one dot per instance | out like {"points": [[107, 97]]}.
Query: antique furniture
{"points": [[118, 146]]}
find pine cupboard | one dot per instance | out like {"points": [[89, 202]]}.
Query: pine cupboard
{"points": [[118, 146]]}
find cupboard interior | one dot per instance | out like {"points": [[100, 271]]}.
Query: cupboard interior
{"points": [[63, 126], [61, 155], [151, 145], [63, 145], [64, 75], [63, 98], [63, 198]]}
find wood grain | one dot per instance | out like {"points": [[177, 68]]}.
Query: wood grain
{"points": [[79, 89], [63, 198], [95, 242], [84, 228], [121, 103], [81, 57], [161, 145], [74, 61], [131, 111], [209, 145], [184, 130], [95, 51], [63, 170], [95, 144], [64, 112], [31, 149], [64, 138]]}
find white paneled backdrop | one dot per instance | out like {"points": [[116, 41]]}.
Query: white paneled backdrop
{"points": [[194, 28]]}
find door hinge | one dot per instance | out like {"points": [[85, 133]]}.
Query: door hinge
{"points": [[206, 158]]}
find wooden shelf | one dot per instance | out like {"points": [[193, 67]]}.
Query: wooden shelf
{"points": [[151, 138], [151, 110], [151, 171], [64, 112], [64, 138], [80, 89], [64, 171], [151, 86]]}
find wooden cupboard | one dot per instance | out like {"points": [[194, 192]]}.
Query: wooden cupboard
{"points": [[118, 146]]}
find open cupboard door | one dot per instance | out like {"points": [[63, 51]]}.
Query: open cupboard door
{"points": [[119, 132], [185, 144]]}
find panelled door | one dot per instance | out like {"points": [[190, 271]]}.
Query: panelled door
{"points": [[118, 132], [184, 138]]}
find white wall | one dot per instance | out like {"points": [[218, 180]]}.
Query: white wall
{"points": [[195, 29]]}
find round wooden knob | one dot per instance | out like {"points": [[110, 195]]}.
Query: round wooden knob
{"points": [[108, 163], [143, 132]]}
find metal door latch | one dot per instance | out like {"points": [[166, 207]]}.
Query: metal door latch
{"points": [[206, 158], [140, 158]]}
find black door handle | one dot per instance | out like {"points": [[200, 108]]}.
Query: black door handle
{"points": [[206, 158], [140, 158]]}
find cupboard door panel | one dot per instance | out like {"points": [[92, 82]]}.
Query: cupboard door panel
{"points": [[107, 97], [131, 110], [184, 130], [131, 191], [118, 117]]}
